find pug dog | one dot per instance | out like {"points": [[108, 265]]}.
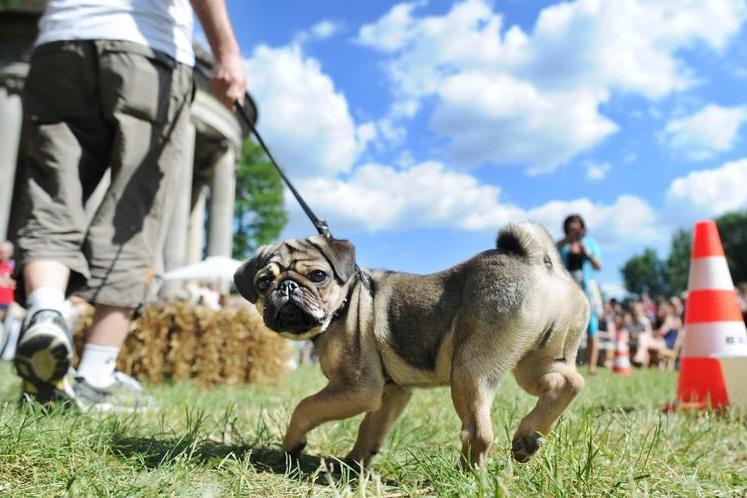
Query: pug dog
{"points": [[379, 334]]}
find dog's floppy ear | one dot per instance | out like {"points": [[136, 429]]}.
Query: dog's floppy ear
{"points": [[340, 255], [243, 279]]}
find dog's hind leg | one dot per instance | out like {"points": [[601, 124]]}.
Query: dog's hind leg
{"points": [[556, 383], [472, 394], [376, 425]]}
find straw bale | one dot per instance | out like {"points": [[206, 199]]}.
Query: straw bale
{"points": [[181, 341]]}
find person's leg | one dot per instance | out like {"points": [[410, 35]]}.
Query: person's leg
{"points": [[46, 281], [50, 209], [105, 338], [592, 343], [145, 99]]}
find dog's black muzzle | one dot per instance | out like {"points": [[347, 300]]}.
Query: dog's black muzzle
{"points": [[285, 310]]}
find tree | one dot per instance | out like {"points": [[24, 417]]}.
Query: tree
{"points": [[259, 212], [678, 262], [645, 273], [733, 230]]}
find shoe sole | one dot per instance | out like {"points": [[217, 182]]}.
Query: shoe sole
{"points": [[44, 355], [104, 408]]}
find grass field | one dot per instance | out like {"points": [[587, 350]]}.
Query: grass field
{"points": [[613, 441]]}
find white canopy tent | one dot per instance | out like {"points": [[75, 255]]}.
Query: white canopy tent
{"points": [[211, 268]]}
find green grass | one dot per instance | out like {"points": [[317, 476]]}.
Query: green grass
{"points": [[613, 441]]}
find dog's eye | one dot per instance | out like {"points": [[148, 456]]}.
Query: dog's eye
{"points": [[263, 283], [317, 276]]}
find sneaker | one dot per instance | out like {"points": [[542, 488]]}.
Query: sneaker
{"points": [[60, 393], [43, 355], [124, 395]]}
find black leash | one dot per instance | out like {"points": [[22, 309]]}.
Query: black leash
{"points": [[321, 226]]}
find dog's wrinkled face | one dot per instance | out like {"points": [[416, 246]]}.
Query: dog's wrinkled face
{"points": [[298, 284]]}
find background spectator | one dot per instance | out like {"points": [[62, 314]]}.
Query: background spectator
{"points": [[640, 330], [667, 328], [581, 256], [7, 284]]}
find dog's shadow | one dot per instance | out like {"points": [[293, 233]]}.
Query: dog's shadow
{"points": [[153, 452]]}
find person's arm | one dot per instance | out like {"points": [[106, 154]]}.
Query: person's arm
{"points": [[229, 79], [593, 254], [648, 327]]}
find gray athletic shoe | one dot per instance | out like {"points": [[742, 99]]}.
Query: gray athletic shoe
{"points": [[43, 356], [124, 395]]}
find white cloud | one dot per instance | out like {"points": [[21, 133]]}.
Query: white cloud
{"points": [[507, 121], [304, 119], [320, 31], [708, 193], [614, 289], [392, 30], [379, 197], [710, 130], [577, 52], [628, 220], [631, 45], [597, 171]]}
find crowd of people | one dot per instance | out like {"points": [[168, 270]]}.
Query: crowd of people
{"points": [[654, 330]]}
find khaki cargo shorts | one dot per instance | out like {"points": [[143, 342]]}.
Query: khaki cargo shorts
{"points": [[90, 106]]}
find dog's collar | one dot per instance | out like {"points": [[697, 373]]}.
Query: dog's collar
{"points": [[342, 309], [344, 306]]}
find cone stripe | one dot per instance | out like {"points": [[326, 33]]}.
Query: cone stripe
{"points": [[712, 306], [706, 241], [703, 339], [702, 381], [621, 362], [710, 273]]}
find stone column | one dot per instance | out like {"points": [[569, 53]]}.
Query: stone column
{"points": [[11, 120], [222, 193], [196, 232], [175, 247]]}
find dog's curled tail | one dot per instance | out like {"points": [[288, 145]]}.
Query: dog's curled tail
{"points": [[527, 240]]}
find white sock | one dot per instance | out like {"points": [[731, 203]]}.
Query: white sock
{"points": [[46, 298], [97, 364]]}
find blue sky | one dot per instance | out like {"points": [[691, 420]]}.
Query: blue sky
{"points": [[417, 129]]}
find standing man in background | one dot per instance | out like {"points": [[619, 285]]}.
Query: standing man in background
{"points": [[109, 86]]}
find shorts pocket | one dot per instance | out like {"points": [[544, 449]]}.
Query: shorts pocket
{"points": [[136, 85]]}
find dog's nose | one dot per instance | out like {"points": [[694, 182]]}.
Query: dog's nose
{"points": [[287, 287]]}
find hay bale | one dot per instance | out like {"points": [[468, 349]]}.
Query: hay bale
{"points": [[267, 352], [181, 341]]}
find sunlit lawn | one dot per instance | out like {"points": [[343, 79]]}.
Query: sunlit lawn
{"points": [[614, 440]]}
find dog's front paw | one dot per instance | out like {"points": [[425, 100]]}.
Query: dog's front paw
{"points": [[522, 448], [294, 451], [337, 466]]}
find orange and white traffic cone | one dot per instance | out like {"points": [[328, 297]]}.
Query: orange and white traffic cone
{"points": [[713, 324], [621, 361]]}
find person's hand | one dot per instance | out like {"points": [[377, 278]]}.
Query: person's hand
{"points": [[229, 80]]}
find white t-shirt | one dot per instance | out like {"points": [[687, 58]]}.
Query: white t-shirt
{"points": [[164, 25]]}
